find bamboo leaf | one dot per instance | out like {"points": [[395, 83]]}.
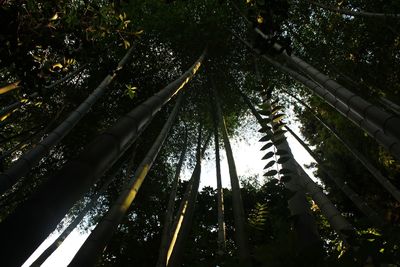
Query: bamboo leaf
{"points": [[276, 109], [278, 125], [279, 141], [265, 138], [268, 155], [270, 164], [263, 112], [264, 129], [271, 173], [267, 145], [285, 179], [279, 133]]}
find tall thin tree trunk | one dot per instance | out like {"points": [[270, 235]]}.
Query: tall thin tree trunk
{"points": [[237, 203], [184, 218], [390, 143], [356, 153], [354, 13], [29, 160], [97, 240], [65, 187], [166, 233], [371, 214], [220, 195]]}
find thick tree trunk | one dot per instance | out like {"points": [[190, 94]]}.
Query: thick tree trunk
{"points": [[29, 160], [166, 233], [97, 240], [52, 201], [390, 143], [354, 13], [237, 203], [371, 214], [92, 203], [220, 195], [356, 153], [184, 218]]}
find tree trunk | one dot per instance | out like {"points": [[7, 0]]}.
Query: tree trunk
{"points": [[371, 214], [354, 13], [97, 240], [32, 157], [184, 218], [237, 203], [388, 123], [166, 233], [92, 203], [66, 186], [356, 153], [220, 195], [390, 143]]}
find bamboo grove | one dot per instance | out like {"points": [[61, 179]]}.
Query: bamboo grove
{"points": [[107, 105]]}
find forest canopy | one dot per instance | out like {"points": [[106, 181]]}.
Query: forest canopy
{"points": [[104, 104]]}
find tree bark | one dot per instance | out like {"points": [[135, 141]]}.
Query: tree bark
{"points": [[52, 201], [97, 240], [29, 160], [354, 13], [237, 203], [166, 233]]}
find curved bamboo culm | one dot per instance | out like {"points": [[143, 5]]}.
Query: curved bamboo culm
{"points": [[162, 255], [388, 123], [354, 13], [354, 105], [102, 233], [371, 214], [65, 187], [356, 153], [184, 218], [237, 203], [388, 142], [27, 161]]}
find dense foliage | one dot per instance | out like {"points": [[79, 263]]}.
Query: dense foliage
{"points": [[43, 41]]}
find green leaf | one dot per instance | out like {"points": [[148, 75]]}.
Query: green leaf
{"points": [[276, 109], [263, 112], [270, 164], [283, 160], [285, 179], [268, 155], [267, 145], [278, 125], [279, 133], [279, 141], [271, 173]]}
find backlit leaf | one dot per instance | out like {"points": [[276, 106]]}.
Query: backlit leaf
{"points": [[270, 173], [268, 155], [9, 87], [270, 164]]}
